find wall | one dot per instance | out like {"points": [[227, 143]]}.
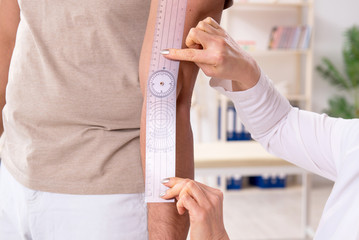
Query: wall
{"points": [[332, 18]]}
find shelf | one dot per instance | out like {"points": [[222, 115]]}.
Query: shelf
{"points": [[234, 154], [273, 4]]}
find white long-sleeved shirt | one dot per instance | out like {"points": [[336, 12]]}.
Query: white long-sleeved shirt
{"points": [[323, 145]]}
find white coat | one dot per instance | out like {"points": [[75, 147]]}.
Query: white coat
{"points": [[323, 145]]}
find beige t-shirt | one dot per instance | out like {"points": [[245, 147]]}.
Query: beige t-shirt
{"points": [[73, 100]]}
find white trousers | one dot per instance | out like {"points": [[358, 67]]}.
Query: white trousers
{"points": [[26, 214]]}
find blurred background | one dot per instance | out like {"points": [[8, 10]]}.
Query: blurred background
{"points": [[305, 47]]}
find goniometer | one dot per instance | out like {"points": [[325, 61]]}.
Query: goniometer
{"points": [[161, 99]]}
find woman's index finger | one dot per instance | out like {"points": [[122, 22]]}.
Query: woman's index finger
{"points": [[188, 54]]}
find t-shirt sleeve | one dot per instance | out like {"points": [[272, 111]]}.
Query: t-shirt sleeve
{"points": [[228, 3]]}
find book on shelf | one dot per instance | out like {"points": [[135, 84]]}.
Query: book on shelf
{"points": [[235, 130], [290, 37]]}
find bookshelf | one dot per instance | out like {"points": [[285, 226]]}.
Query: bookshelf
{"points": [[290, 69], [243, 23], [295, 13], [252, 21]]}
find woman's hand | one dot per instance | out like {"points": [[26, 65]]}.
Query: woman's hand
{"points": [[218, 55], [204, 205]]}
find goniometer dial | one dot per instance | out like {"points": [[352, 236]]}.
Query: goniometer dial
{"points": [[162, 83]]}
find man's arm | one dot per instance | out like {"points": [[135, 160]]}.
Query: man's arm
{"points": [[9, 21], [163, 220]]}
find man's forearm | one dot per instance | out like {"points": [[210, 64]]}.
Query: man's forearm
{"points": [[5, 56], [164, 222]]}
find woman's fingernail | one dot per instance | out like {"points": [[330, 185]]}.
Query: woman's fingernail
{"points": [[165, 52], [162, 194], [165, 180]]}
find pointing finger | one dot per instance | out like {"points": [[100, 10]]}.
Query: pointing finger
{"points": [[190, 55]]}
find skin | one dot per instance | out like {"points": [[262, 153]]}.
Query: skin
{"points": [[9, 22], [218, 55], [163, 220]]}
